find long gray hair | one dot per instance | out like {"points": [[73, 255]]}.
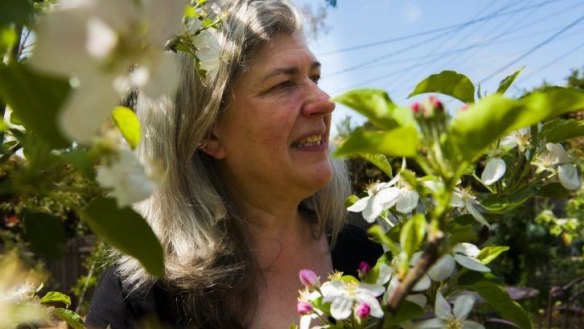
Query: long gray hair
{"points": [[208, 263]]}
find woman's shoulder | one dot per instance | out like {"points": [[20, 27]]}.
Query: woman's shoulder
{"points": [[114, 307], [352, 247]]}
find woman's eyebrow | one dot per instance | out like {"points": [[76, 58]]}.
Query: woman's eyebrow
{"points": [[292, 70]]}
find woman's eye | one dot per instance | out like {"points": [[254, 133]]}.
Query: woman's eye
{"points": [[283, 85], [315, 78]]}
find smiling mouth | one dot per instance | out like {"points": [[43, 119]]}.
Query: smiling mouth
{"points": [[309, 141]]}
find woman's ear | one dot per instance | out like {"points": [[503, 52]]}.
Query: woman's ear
{"points": [[212, 146]]}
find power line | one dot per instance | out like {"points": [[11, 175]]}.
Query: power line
{"points": [[533, 49], [434, 38], [444, 28]]}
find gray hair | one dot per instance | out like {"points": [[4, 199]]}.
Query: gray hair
{"points": [[207, 258]]}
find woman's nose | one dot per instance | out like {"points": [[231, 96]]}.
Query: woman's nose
{"points": [[318, 103]]}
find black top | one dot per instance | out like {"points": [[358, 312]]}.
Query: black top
{"points": [[112, 306]]}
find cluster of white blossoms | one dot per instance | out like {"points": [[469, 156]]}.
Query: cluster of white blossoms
{"points": [[107, 48]]}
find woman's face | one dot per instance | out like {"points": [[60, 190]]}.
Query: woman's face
{"points": [[273, 137]]}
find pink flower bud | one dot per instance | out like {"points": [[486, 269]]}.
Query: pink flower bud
{"points": [[436, 104], [362, 311], [415, 107], [303, 308], [308, 278], [364, 268]]}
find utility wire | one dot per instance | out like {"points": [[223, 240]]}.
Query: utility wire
{"points": [[444, 28], [533, 49]]}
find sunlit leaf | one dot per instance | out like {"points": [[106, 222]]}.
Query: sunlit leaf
{"points": [[36, 99], [396, 142], [412, 234], [376, 105], [127, 231], [500, 204], [500, 300], [128, 124], [448, 83], [406, 311], [56, 297], [559, 130], [73, 319], [45, 233], [380, 161], [490, 253], [495, 116], [508, 81]]}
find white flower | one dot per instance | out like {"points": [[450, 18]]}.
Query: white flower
{"points": [[447, 317], [344, 295], [520, 139], [382, 196], [463, 199], [556, 156], [209, 53], [127, 179], [494, 170], [107, 46], [464, 254]]}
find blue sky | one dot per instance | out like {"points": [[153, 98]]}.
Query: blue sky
{"points": [[484, 39]]}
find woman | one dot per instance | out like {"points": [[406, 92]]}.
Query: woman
{"points": [[250, 196]]}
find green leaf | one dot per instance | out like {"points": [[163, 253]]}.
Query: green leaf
{"points": [[448, 83], [412, 234], [559, 130], [500, 300], [508, 81], [56, 297], [376, 105], [127, 231], [377, 232], [127, 121], [490, 253], [406, 311], [495, 116], [73, 319], [554, 190], [8, 38], [500, 204], [397, 142], [380, 161], [15, 11], [36, 99], [45, 233]]}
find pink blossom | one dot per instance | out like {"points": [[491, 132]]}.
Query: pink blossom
{"points": [[303, 308], [362, 311], [364, 268], [308, 278]]}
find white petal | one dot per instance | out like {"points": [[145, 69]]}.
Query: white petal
{"points": [[121, 15], [372, 211], [443, 268], [418, 299], [331, 290], [568, 175], [456, 200], [462, 306], [559, 154], [387, 197], [371, 289], [87, 107], [467, 249], [471, 263], [341, 308], [165, 77], [407, 202], [423, 284], [385, 274], [101, 39], [305, 321], [376, 310], [442, 308], [62, 32], [470, 207], [359, 205], [494, 170]]}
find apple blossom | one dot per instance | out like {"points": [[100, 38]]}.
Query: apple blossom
{"points": [[494, 170], [448, 317], [344, 295]]}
